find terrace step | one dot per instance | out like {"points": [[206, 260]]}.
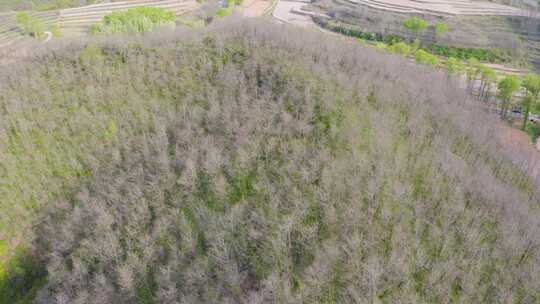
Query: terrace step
{"points": [[100, 14], [108, 4], [118, 6], [89, 20], [383, 7]]}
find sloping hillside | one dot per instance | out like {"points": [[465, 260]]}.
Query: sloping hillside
{"points": [[254, 163]]}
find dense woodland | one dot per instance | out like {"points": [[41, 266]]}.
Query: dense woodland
{"points": [[254, 163]]}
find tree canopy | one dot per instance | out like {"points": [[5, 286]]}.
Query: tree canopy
{"points": [[135, 20], [415, 24]]}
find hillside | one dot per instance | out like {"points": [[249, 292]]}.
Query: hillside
{"points": [[254, 163], [514, 34]]}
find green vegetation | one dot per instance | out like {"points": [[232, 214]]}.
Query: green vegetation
{"points": [[533, 130], [21, 278], [30, 25], [424, 57], [487, 55], [488, 79], [441, 29], [491, 55], [56, 31], [135, 20], [507, 87], [415, 26], [531, 83], [535, 108], [226, 11], [454, 66], [192, 23], [236, 166], [400, 48]]}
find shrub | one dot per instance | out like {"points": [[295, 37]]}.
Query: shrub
{"points": [[424, 57], [135, 20], [381, 46], [533, 130], [56, 31], [30, 25], [454, 66], [441, 29], [226, 11], [493, 55], [400, 48], [415, 25], [487, 55]]}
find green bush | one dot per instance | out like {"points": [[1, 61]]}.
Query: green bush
{"points": [[493, 55], [226, 11], [441, 28], [415, 24], [424, 57], [488, 55], [135, 20], [381, 46], [400, 48], [30, 25], [56, 31], [533, 130], [354, 32], [454, 66], [535, 109]]}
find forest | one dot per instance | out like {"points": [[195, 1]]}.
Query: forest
{"points": [[252, 162]]}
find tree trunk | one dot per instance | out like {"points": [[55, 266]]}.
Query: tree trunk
{"points": [[503, 108], [487, 89], [527, 110], [526, 116]]}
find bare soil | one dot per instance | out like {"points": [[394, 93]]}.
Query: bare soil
{"points": [[255, 8]]}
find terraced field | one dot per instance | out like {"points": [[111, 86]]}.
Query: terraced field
{"points": [[518, 33], [443, 7], [77, 21], [10, 33]]}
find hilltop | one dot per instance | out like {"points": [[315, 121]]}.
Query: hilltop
{"points": [[251, 162]]}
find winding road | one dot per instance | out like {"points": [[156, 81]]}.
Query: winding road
{"points": [[48, 36]]}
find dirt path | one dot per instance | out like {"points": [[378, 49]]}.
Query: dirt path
{"points": [[255, 8], [285, 12]]}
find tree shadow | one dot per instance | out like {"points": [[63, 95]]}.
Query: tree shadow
{"points": [[21, 277]]}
